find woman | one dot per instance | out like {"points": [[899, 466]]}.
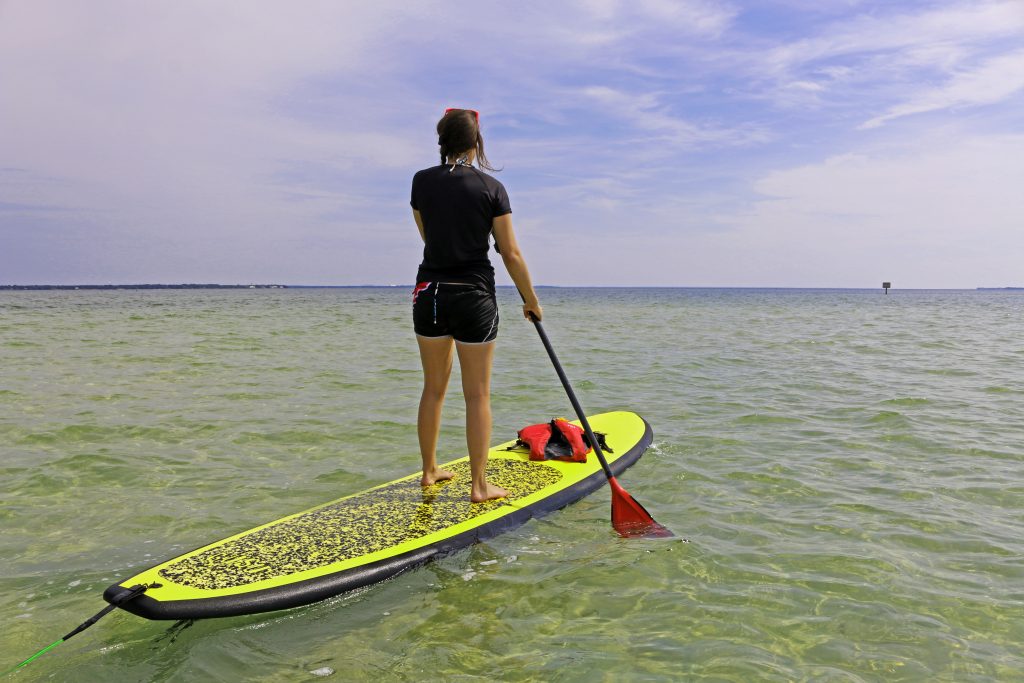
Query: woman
{"points": [[457, 207]]}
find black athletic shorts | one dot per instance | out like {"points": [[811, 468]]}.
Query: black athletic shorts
{"points": [[466, 312]]}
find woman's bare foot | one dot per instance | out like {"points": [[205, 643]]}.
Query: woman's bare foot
{"points": [[434, 476], [488, 492]]}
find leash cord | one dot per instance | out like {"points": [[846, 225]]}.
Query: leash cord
{"points": [[131, 594]]}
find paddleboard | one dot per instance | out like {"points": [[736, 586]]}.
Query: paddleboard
{"points": [[371, 536]]}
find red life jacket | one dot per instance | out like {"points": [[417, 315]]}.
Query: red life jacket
{"points": [[555, 440]]}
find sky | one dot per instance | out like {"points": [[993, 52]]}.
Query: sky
{"points": [[767, 143]]}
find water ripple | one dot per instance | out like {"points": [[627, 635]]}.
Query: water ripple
{"points": [[846, 465]]}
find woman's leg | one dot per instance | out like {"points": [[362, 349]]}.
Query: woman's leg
{"points": [[436, 356], [475, 362]]}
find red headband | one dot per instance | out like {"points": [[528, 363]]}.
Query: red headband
{"points": [[475, 113]]}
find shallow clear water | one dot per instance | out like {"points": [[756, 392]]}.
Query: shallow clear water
{"points": [[847, 467]]}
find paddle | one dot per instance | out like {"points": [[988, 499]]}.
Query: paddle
{"points": [[629, 518]]}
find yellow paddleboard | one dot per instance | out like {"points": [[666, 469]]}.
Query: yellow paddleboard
{"points": [[370, 536]]}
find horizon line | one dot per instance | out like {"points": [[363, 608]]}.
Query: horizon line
{"points": [[211, 285]]}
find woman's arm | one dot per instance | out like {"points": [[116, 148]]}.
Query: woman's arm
{"points": [[516, 264], [419, 224]]}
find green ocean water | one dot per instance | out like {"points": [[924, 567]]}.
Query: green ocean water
{"points": [[848, 468]]}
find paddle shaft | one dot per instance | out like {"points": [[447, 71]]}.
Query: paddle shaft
{"points": [[629, 517], [572, 397]]}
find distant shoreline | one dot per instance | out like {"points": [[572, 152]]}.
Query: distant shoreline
{"points": [[9, 288], [155, 286]]}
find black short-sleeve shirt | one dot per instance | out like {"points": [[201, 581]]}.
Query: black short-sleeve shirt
{"points": [[457, 207]]}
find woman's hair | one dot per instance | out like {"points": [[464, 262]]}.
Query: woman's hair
{"points": [[459, 131]]}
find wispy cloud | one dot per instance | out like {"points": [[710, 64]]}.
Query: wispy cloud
{"points": [[648, 113], [901, 32], [863, 60], [991, 82], [691, 17]]}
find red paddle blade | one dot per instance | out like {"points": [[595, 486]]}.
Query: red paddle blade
{"points": [[630, 519]]}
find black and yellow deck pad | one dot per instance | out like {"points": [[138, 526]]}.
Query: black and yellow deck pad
{"points": [[372, 535]]}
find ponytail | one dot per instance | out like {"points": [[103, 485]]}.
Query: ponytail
{"points": [[459, 131]]}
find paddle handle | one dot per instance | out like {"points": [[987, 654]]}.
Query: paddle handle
{"points": [[572, 397]]}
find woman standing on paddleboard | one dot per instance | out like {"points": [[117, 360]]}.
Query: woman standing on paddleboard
{"points": [[457, 208]]}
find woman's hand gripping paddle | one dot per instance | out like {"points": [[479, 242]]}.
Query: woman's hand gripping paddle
{"points": [[629, 518]]}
